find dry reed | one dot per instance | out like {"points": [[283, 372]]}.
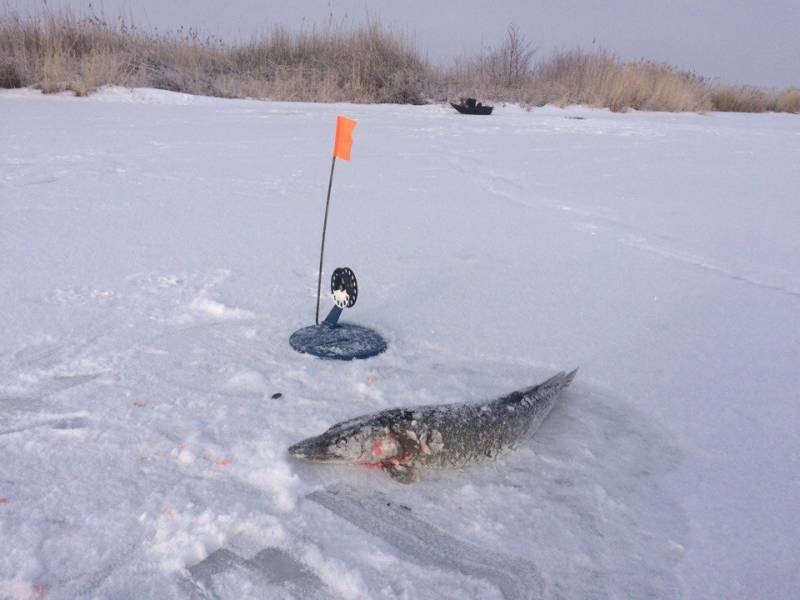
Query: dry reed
{"points": [[58, 52]]}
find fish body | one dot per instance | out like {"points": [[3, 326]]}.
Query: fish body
{"points": [[400, 440]]}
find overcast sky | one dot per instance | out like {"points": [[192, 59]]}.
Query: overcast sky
{"points": [[755, 42]]}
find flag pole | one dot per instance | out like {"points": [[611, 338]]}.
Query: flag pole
{"points": [[322, 246]]}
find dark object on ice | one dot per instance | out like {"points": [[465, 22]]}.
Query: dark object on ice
{"points": [[399, 440], [340, 341], [469, 106], [276, 396], [344, 341]]}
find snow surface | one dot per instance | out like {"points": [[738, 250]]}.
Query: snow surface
{"points": [[157, 250]]}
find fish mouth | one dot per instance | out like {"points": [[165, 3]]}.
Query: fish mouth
{"points": [[301, 450], [312, 449]]}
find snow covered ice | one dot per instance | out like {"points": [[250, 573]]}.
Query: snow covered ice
{"points": [[157, 250]]}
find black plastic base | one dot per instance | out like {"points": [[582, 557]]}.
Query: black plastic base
{"points": [[344, 341]]}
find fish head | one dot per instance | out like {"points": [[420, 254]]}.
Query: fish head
{"points": [[350, 442]]}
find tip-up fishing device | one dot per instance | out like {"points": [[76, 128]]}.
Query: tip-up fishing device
{"points": [[331, 339]]}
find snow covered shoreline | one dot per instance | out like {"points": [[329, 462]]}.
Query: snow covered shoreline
{"points": [[158, 249]]}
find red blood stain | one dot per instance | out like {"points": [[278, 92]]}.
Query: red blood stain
{"points": [[38, 590], [4, 501], [169, 512], [138, 404], [223, 462], [377, 448], [370, 465]]}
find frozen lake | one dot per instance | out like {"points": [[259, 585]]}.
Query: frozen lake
{"points": [[157, 251]]}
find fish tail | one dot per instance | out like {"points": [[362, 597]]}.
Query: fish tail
{"points": [[567, 379], [556, 383]]}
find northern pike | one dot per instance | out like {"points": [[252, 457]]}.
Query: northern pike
{"points": [[399, 440]]}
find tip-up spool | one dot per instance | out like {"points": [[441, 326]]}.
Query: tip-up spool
{"points": [[339, 341]]}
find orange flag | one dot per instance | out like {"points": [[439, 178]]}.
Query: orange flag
{"points": [[344, 137]]}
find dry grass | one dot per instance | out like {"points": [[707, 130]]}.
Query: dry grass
{"points": [[751, 99], [58, 52], [788, 101], [739, 99], [600, 79], [9, 77]]}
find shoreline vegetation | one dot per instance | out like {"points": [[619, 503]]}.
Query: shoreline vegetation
{"points": [[370, 63]]}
